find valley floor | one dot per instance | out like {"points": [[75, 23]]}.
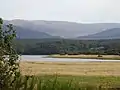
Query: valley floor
{"points": [[71, 68], [69, 75]]}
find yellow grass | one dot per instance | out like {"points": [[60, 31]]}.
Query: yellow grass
{"points": [[115, 57], [71, 68]]}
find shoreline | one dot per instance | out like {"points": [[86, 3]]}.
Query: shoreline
{"points": [[104, 57]]}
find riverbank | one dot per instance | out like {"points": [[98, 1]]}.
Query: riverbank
{"points": [[105, 57]]}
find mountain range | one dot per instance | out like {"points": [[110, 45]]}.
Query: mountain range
{"points": [[63, 29]]}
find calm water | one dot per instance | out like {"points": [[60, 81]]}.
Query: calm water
{"points": [[43, 58]]}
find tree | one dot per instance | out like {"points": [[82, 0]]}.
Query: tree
{"points": [[9, 65]]}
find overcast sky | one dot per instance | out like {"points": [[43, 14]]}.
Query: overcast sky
{"points": [[82, 11]]}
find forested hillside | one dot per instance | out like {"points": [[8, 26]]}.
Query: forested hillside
{"points": [[67, 46]]}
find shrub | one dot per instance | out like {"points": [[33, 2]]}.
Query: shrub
{"points": [[9, 66]]}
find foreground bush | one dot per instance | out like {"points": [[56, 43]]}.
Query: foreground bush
{"points": [[9, 66]]}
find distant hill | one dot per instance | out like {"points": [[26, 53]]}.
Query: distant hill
{"points": [[113, 33], [63, 28], [25, 33]]}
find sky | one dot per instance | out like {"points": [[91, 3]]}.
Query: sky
{"points": [[83, 11]]}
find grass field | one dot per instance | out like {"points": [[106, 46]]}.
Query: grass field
{"points": [[71, 68], [109, 57], [55, 82], [72, 75]]}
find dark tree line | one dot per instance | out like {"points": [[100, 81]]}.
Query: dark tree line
{"points": [[72, 47]]}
